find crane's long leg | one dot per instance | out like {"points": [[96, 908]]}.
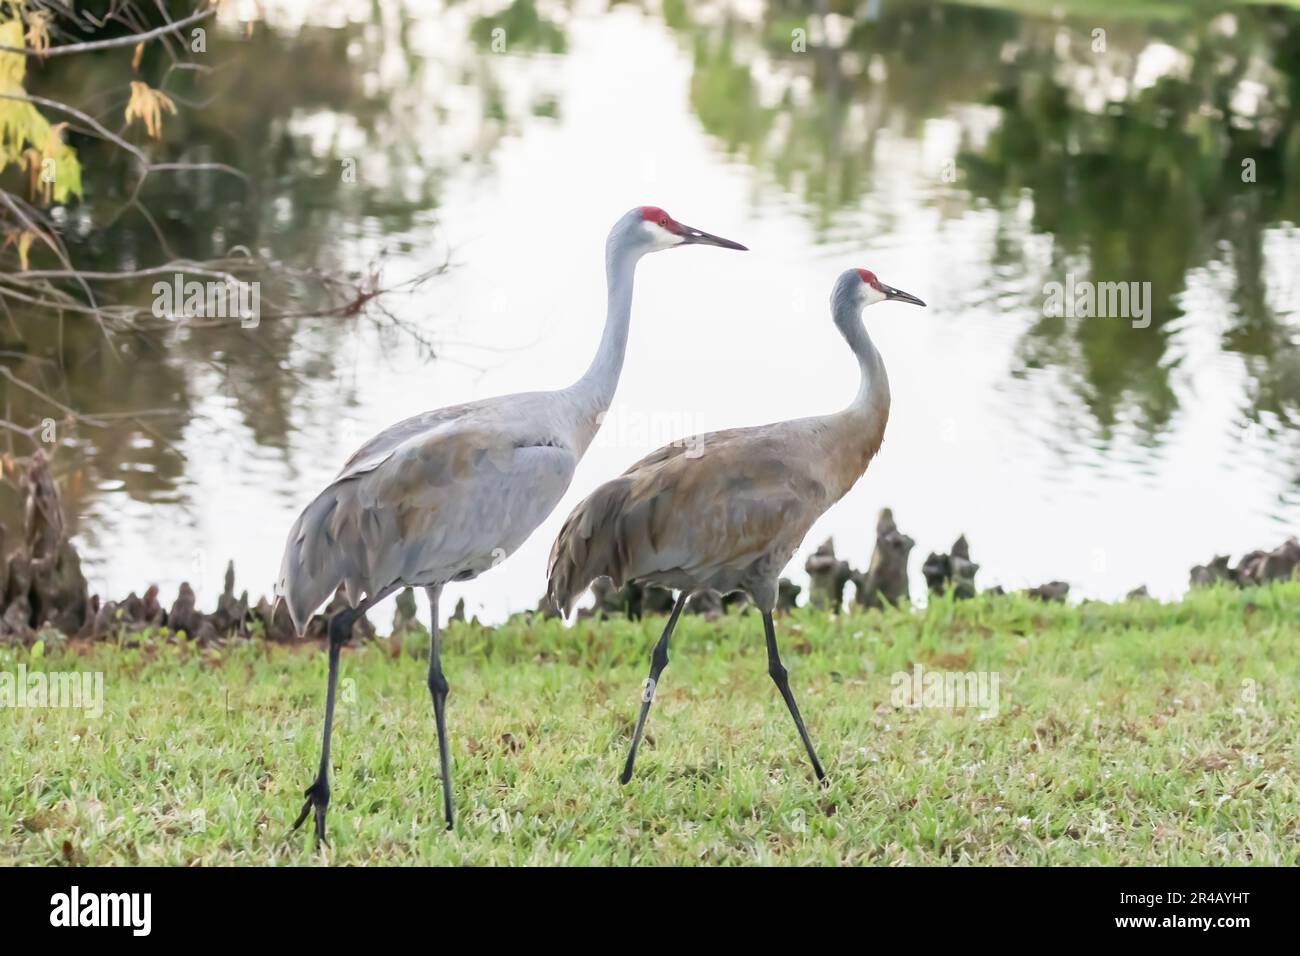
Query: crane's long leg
{"points": [[318, 794], [658, 661], [438, 690], [778, 672]]}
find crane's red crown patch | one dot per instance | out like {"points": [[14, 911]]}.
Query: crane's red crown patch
{"points": [[659, 217]]}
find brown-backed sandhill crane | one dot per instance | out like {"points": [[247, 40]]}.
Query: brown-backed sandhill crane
{"points": [[727, 510], [448, 494]]}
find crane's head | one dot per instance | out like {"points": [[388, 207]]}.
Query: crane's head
{"points": [[649, 229], [870, 290]]}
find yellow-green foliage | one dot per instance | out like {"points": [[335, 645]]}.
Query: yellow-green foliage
{"points": [[27, 138]]}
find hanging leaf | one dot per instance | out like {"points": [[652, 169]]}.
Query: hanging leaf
{"points": [[13, 66], [20, 239], [24, 245], [30, 163], [38, 30], [148, 105]]}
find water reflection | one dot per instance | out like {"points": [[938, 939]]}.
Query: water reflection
{"points": [[990, 149], [1145, 152]]}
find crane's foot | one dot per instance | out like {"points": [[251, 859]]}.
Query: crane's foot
{"points": [[318, 798]]}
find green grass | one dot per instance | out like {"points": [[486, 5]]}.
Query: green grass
{"points": [[1130, 733]]}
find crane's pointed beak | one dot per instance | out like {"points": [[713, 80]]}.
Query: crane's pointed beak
{"points": [[898, 295], [692, 236]]}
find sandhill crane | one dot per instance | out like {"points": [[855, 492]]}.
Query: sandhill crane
{"points": [[727, 510], [447, 494]]}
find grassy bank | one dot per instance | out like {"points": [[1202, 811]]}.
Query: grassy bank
{"points": [[1130, 733]]}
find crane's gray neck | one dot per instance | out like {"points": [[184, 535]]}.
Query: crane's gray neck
{"points": [[873, 385], [596, 387]]}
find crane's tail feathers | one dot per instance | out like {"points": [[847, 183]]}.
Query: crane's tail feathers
{"points": [[321, 553], [589, 545], [276, 601]]}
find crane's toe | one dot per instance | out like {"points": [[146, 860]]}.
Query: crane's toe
{"points": [[318, 799]]}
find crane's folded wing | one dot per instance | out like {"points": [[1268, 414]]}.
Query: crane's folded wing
{"points": [[449, 501], [704, 506]]}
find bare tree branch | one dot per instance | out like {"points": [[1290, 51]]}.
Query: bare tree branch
{"points": [[104, 133], [50, 399], [131, 40]]}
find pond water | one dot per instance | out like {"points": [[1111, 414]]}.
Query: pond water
{"points": [[969, 154]]}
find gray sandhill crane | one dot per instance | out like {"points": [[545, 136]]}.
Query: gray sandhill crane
{"points": [[727, 510], [447, 494]]}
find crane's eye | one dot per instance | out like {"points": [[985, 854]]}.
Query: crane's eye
{"points": [[663, 221]]}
